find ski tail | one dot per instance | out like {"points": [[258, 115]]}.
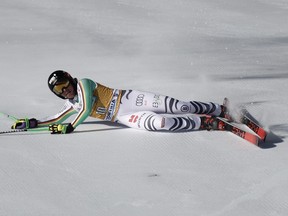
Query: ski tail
{"points": [[251, 138], [226, 125], [244, 117]]}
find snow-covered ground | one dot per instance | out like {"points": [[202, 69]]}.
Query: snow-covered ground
{"points": [[189, 49]]}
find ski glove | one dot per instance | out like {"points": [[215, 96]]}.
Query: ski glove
{"points": [[25, 123], [60, 129]]}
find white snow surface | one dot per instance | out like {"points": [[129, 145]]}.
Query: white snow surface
{"points": [[189, 49]]}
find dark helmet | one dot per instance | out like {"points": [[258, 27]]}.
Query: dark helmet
{"points": [[61, 76]]}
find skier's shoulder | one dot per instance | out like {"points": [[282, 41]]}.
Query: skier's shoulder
{"points": [[85, 82]]}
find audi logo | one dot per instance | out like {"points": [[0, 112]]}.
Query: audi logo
{"points": [[140, 99]]}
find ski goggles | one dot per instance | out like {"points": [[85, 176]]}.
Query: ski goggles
{"points": [[59, 87]]}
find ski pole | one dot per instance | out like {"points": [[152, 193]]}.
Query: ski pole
{"points": [[13, 118], [26, 130]]}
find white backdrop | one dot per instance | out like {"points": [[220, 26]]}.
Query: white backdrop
{"points": [[192, 50]]}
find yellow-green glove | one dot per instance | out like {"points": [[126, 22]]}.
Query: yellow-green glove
{"points": [[25, 123], [60, 129]]}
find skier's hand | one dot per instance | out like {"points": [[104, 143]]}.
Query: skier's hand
{"points": [[60, 129], [57, 129], [25, 123]]}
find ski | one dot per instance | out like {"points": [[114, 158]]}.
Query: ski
{"points": [[243, 117], [225, 125], [260, 131]]}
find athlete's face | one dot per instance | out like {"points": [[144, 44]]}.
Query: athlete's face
{"points": [[68, 92]]}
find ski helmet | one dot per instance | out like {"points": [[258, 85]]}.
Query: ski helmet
{"points": [[61, 76]]}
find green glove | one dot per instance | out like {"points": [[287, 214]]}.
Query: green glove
{"points": [[60, 129], [25, 123]]}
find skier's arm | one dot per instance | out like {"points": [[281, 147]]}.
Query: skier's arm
{"points": [[61, 116], [85, 95], [85, 91], [58, 118]]}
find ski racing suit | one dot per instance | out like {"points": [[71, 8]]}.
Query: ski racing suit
{"points": [[135, 109]]}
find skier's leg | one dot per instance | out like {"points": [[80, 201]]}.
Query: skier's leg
{"points": [[134, 101], [154, 122]]}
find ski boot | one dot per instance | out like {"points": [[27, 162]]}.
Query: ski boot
{"points": [[209, 123], [225, 110]]}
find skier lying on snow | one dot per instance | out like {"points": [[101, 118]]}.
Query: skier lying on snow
{"points": [[135, 109]]}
